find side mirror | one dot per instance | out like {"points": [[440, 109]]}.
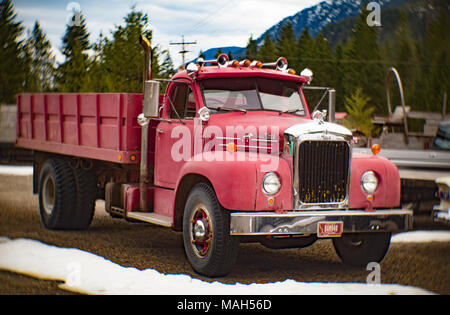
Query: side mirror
{"points": [[150, 102], [204, 113]]}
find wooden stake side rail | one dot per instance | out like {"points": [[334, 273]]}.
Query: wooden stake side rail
{"points": [[100, 126]]}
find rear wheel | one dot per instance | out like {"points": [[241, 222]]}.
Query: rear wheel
{"points": [[359, 249], [86, 194], [56, 195], [210, 248]]}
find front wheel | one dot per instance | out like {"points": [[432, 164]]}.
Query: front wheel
{"points": [[210, 248], [359, 249]]}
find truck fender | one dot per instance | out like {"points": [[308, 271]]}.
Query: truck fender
{"points": [[236, 182], [387, 194]]}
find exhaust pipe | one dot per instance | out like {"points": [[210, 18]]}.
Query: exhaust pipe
{"points": [[149, 89], [145, 43]]}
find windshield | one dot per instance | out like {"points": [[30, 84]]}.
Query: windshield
{"points": [[253, 94]]}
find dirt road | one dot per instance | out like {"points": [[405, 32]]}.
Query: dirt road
{"points": [[144, 246]]}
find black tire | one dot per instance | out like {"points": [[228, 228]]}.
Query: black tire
{"points": [[359, 249], [210, 248], [56, 195], [86, 194]]}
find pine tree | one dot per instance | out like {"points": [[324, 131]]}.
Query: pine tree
{"points": [[72, 73], [251, 49], [218, 53], [306, 51], [167, 68], [41, 72], [323, 62], [287, 44], [338, 82], [404, 57], [363, 66], [96, 80], [268, 50], [434, 58], [122, 56], [359, 113], [13, 63]]}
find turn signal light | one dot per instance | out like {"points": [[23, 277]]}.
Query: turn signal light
{"points": [[376, 149], [231, 147]]}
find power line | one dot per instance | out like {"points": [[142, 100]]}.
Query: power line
{"points": [[183, 50], [204, 21]]}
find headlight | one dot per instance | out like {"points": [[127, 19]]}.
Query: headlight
{"points": [[271, 184], [369, 182]]}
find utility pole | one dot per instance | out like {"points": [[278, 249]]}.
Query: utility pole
{"points": [[183, 50]]}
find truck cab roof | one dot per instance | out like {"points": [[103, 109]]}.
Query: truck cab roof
{"points": [[240, 71]]}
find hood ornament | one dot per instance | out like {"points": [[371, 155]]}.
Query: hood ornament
{"points": [[319, 116]]}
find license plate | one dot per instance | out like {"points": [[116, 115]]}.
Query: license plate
{"points": [[330, 229]]}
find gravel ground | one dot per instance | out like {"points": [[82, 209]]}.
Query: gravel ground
{"points": [[146, 246]]}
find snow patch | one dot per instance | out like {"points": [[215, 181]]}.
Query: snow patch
{"points": [[421, 237], [16, 170], [85, 272]]}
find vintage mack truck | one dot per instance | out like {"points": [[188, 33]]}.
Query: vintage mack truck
{"points": [[230, 153]]}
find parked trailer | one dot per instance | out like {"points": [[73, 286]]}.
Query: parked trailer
{"points": [[9, 154], [418, 171], [229, 154]]}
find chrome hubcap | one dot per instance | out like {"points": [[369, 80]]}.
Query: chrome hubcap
{"points": [[201, 232], [48, 194]]}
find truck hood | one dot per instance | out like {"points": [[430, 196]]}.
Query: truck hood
{"points": [[265, 121], [261, 120]]}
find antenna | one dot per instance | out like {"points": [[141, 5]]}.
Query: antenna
{"points": [[183, 50]]}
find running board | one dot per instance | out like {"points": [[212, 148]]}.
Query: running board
{"points": [[151, 217]]}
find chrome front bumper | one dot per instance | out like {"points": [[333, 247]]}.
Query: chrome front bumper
{"points": [[305, 222]]}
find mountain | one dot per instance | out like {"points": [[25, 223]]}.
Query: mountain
{"points": [[317, 17], [418, 14], [335, 18], [235, 51]]}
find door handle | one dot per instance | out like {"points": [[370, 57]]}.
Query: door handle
{"points": [[159, 130]]}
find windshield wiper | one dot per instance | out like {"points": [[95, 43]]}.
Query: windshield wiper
{"points": [[292, 110], [230, 109]]}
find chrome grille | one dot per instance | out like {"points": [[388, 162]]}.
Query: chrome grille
{"points": [[323, 168]]}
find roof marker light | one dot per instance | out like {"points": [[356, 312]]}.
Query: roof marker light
{"points": [[234, 64], [256, 64], [246, 63]]}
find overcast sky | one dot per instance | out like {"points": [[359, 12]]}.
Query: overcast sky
{"points": [[210, 23]]}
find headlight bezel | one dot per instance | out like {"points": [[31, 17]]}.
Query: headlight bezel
{"points": [[275, 181], [369, 182]]}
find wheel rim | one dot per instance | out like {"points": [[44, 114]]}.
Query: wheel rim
{"points": [[200, 232], [48, 194]]}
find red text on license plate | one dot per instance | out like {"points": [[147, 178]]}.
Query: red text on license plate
{"points": [[330, 229]]}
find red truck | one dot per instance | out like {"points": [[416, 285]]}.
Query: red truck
{"points": [[229, 154]]}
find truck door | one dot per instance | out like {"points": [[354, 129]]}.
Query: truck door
{"points": [[174, 139]]}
